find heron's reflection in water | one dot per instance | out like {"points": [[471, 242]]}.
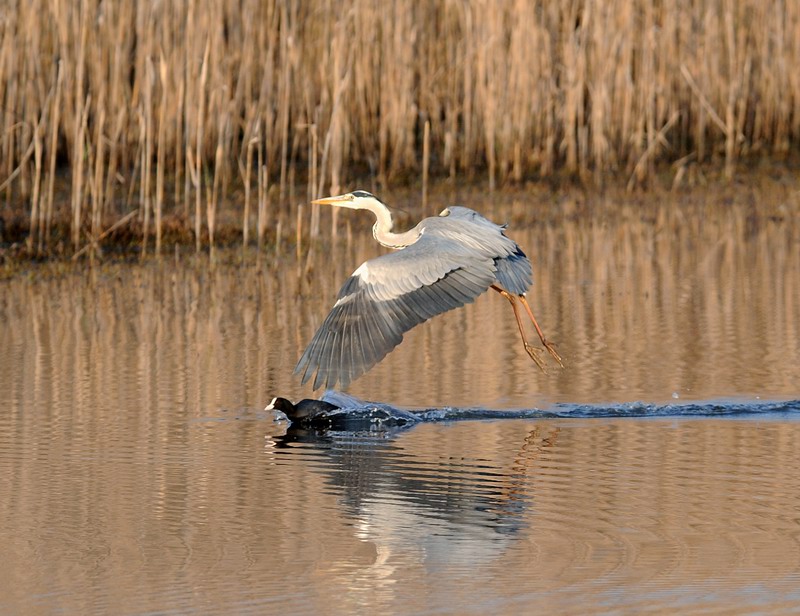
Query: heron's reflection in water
{"points": [[427, 510]]}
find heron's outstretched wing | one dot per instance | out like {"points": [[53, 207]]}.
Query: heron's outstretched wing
{"points": [[387, 296]]}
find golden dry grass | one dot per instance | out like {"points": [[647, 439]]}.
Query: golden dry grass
{"points": [[163, 108]]}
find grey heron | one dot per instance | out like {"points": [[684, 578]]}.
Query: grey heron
{"points": [[443, 263]]}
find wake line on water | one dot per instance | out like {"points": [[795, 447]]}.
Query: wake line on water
{"points": [[689, 409], [351, 405]]}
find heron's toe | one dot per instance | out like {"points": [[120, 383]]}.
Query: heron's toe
{"points": [[535, 355]]}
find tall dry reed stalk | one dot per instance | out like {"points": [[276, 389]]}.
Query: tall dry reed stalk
{"points": [[515, 89], [426, 162]]}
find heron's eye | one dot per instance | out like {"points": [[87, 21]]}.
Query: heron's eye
{"points": [[445, 212]]}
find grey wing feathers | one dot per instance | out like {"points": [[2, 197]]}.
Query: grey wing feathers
{"points": [[385, 298]]}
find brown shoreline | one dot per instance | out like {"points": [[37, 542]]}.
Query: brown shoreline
{"points": [[769, 192]]}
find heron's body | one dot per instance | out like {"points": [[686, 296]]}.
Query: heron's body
{"points": [[443, 263]]}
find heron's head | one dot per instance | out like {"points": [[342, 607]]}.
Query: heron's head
{"points": [[356, 200]]}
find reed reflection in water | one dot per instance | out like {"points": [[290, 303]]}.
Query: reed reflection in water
{"points": [[139, 474], [229, 514]]}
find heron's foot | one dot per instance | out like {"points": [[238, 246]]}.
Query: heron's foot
{"points": [[551, 348], [535, 355]]}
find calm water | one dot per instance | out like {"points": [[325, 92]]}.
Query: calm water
{"points": [[138, 473]]}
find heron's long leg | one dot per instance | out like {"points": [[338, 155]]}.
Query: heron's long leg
{"points": [[532, 352], [548, 345]]}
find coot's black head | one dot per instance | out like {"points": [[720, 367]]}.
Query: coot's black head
{"points": [[283, 405]]}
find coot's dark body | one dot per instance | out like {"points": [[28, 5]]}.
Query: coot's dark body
{"points": [[322, 415], [305, 412]]}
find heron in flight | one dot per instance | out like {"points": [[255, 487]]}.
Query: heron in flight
{"points": [[444, 262]]}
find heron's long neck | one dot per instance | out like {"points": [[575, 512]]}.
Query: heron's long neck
{"points": [[382, 230]]}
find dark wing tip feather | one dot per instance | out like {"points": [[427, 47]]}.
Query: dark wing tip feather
{"points": [[514, 272]]}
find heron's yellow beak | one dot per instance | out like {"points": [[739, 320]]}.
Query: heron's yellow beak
{"points": [[341, 200]]}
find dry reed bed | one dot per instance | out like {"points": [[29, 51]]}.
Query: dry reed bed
{"points": [[165, 108]]}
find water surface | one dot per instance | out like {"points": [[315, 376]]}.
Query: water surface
{"points": [[139, 474]]}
